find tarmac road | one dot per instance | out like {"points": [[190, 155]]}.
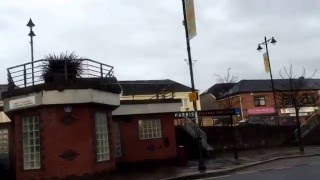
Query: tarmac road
{"points": [[307, 168]]}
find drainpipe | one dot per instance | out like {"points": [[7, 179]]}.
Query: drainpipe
{"points": [[241, 107]]}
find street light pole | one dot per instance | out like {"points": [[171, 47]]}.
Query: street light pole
{"points": [[31, 34], [273, 41], [202, 166]]}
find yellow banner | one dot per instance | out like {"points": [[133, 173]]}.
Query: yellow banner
{"points": [[266, 63], [191, 18]]}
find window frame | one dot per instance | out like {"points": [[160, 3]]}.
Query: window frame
{"points": [[185, 102], [117, 139], [147, 131], [31, 142], [259, 99], [102, 137], [4, 141]]}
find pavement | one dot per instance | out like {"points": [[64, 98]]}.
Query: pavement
{"points": [[305, 172], [223, 164]]}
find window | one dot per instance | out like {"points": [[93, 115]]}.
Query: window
{"points": [[102, 142], [259, 101], [150, 129], [31, 142], [117, 141], [4, 141], [308, 99], [184, 102]]}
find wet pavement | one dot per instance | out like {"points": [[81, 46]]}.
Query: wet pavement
{"points": [[223, 161], [301, 172]]}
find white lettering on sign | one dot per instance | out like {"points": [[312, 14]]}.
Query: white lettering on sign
{"points": [[22, 102]]}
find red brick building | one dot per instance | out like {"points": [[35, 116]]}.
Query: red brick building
{"points": [[61, 128], [145, 120], [146, 136], [77, 129], [255, 98]]}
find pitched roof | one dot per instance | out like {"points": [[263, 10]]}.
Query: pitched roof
{"points": [[261, 85], [218, 89], [264, 85], [141, 87]]}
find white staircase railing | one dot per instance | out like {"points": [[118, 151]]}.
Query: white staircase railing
{"points": [[193, 129], [308, 126]]}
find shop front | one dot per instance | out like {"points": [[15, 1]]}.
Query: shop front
{"points": [[265, 113]]}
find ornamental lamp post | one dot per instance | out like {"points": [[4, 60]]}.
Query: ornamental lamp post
{"points": [[265, 43], [31, 34], [188, 17]]}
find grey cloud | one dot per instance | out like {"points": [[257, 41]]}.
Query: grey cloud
{"points": [[144, 39]]}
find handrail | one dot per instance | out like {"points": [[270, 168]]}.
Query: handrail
{"points": [[308, 125], [196, 132]]}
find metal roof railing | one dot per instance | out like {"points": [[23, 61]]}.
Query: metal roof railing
{"points": [[32, 73]]}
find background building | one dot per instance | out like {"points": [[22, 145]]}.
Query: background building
{"points": [[158, 89], [255, 98]]}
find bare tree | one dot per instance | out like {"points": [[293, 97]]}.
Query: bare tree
{"points": [[294, 93], [229, 79]]}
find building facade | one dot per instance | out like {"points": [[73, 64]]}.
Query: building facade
{"points": [[145, 120], [158, 89], [255, 98], [61, 126]]}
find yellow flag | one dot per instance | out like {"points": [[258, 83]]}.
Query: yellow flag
{"points": [[191, 19], [266, 62]]}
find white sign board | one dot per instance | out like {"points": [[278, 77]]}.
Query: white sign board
{"points": [[22, 102], [292, 111], [300, 114]]}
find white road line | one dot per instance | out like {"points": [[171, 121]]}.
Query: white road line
{"points": [[216, 177], [281, 168], [247, 172]]}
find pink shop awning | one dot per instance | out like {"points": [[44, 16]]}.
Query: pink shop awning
{"points": [[261, 110]]}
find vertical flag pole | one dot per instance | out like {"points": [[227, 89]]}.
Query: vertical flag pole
{"points": [[202, 166]]}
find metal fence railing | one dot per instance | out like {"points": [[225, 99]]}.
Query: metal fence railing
{"points": [[30, 74]]}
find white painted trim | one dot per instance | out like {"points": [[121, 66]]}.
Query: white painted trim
{"points": [[22, 102], [76, 96], [68, 96]]}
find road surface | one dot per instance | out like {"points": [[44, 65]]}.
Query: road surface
{"points": [[291, 169]]}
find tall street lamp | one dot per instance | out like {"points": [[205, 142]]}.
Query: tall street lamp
{"points": [[265, 43], [31, 34], [201, 165]]}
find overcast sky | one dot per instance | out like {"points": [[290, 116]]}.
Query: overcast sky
{"points": [[145, 39]]}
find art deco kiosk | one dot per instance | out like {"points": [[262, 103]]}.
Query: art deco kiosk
{"points": [[61, 118]]}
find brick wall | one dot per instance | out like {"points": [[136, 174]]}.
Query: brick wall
{"points": [[136, 150], [58, 137], [247, 100]]}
